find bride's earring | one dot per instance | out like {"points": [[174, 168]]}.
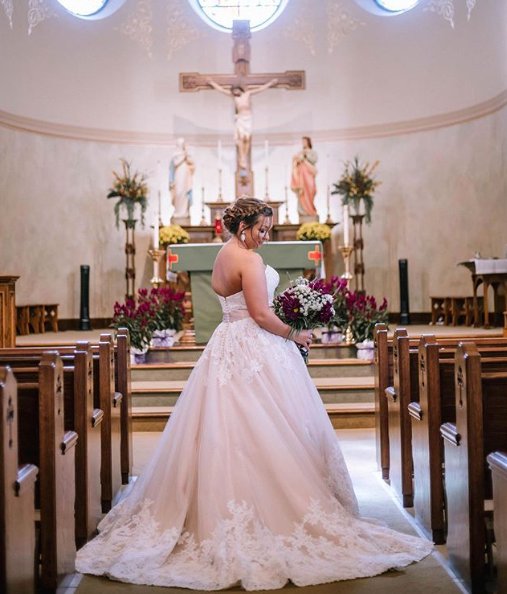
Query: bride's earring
{"points": [[242, 236]]}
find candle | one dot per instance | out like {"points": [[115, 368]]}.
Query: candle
{"points": [[219, 154], [266, 153], [346, 237], [156, 243]]}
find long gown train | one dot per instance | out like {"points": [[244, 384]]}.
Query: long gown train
{"points": [[248, 484]]}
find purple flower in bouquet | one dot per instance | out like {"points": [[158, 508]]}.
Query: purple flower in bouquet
{"points": [[304, 305]]}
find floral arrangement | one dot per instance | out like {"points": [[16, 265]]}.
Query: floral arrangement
{"points": [[313, 231], [131, 189], [157, 309], [364, 313], [304, 305], [173, 234], [357, 184], [338, 288]]}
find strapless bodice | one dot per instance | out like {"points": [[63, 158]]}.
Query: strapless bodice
{"points": [[234, 306]]}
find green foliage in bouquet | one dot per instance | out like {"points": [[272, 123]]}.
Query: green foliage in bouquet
{"points": [[357, 185], [131, 189]]}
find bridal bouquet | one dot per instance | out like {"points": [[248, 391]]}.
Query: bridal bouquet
{"points": [[305, 305]]}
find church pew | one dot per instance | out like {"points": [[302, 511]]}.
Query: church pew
{"points": [[80, 416], [106, 399], [124, 387], [381, 363], [111, 402], [17, 492], [498, 464], [44, 442], [480, 428], [401, 440], [436, 406]]}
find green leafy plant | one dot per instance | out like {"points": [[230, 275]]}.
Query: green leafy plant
{"points": [[131, 189], [357, 185], [364, 313]]}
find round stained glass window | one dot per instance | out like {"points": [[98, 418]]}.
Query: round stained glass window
{"points": [[83, 7], [397, 5], [91, 9], [220, 14]]}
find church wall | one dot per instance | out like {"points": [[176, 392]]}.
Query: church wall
{"points": [[442, 198]]}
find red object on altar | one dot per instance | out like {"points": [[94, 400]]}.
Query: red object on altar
{"points": [[218, 226]]}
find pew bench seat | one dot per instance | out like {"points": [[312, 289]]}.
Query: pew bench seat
{"points": [[36, 318]]}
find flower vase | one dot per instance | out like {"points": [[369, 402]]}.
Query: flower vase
{"points": [[365, 350], [163, 338], [332, 337], [138, 356]]}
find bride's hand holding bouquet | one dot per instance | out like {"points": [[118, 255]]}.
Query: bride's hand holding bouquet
{"points": [[304, 305]]}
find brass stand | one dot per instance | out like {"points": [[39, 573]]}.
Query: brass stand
{"points": [[346, 251], [130, 252], [358, 244], [155, 255], [203, 217]]}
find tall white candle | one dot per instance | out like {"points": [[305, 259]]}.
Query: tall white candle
{"points": [[266, 153], [219, 154], [346, 236], [156, 243]]}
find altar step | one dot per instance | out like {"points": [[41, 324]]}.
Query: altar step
{"points": [[183, 353], [333, 390], [316, 367], [342, 415]]}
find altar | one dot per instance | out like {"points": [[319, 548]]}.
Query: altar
{"points": [[289, 258]]}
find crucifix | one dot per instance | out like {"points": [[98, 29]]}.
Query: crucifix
{"points": [[240, 86]]}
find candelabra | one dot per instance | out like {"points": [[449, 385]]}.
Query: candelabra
{"points": [[346, 251], [155, 255], [329, 220]]}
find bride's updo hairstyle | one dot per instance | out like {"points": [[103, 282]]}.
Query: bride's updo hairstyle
{"points": [[247, 210]]}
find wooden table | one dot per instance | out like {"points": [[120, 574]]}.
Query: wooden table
{"points": [[491, 272]]}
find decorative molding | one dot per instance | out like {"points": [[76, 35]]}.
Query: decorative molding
{"points": [[462, 116], [138, 25], [340, 23], [38, 11], [180, 31], [8, 6], [300, 25]]}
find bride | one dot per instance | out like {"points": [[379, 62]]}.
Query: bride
{"points": [[248, 485]]}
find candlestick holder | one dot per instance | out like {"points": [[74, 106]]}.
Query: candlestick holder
{"points": [[346, 251], [155, 254], [266, 177], [220, 197], [203, 217]]}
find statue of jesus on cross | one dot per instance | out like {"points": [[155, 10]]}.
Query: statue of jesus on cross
{"points": [[241, 86], [243, 115]]}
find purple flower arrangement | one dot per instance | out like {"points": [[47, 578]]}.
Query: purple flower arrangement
{"points": [[157, 309]]}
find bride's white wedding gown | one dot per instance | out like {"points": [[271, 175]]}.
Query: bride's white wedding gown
{"points": [[248, 484]]}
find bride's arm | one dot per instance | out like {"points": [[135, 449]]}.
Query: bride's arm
{"points": [[256, 296]]}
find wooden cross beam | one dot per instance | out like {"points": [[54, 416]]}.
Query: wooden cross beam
{"points": [[248, 83]]}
